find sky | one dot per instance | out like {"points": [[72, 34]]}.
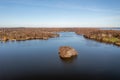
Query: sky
{"points": [[59, 13]]}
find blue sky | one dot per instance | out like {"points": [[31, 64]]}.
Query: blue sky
{"points": [[59, 13]]}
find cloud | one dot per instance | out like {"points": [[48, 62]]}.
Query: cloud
{"points": [[61, 4]]}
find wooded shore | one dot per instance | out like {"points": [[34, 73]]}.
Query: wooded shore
{"points": [[20, 34]]}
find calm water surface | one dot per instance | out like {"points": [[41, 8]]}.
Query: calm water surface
{"points": [[37, 59]]}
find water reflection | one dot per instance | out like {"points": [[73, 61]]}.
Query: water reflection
{"points": [[69, 60], [33, 59]]}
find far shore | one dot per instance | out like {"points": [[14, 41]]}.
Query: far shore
{"points": [[21, 34]]}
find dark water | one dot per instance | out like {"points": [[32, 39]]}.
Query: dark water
{"points": [[39, 60]]}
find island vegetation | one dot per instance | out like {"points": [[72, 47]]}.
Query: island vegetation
{"points": [[66, 52], [19, 34]]}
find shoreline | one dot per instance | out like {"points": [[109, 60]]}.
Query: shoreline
{"points": [[22, 34], [105, 36]]}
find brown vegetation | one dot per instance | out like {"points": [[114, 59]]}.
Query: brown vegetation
{"points": [[67, 52], [83, 31], [18, 34], [107, 36]]}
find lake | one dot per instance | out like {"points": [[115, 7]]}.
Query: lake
{"points": [[39, 59]]}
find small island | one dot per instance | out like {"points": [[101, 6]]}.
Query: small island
{"points": [[66, 52]]}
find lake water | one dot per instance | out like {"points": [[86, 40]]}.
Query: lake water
{"points": [[39, 59]]}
